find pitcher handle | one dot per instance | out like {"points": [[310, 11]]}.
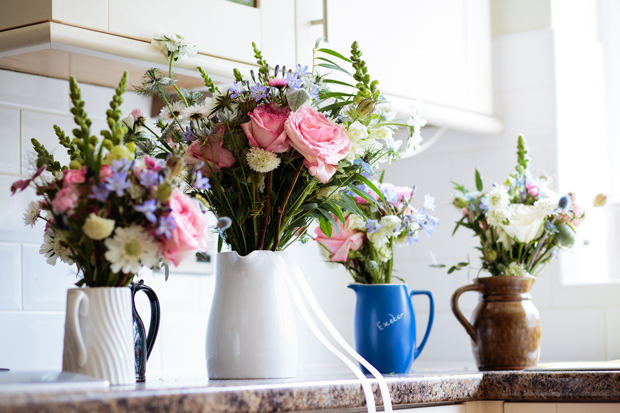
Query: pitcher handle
{"points": [[155, 314], [77, 306], [429, 325], [457, 312]]}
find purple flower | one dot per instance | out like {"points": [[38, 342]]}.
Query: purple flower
{"points": [[389, 193], [372, 225], [302, 71], [426, 222], [188, 135], [412, 239], [150, 178], [121, 165], [259, 92], [364, 165], [293, 81], [314, 93], [201, 183], [99, 192], [118, 183], [237, 89], [166, 226], [147, 209]]}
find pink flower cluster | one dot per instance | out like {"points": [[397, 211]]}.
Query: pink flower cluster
{"points": [[341, 241]]}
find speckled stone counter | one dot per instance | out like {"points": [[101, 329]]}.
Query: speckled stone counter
{"points": [[322, 393]]}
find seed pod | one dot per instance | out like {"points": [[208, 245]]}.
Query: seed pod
{"points": [[366, 107], [566, 235]]}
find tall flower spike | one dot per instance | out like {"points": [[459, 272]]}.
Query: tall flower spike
{"points": [[522, 158]]}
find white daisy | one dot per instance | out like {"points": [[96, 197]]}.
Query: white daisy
{"points": [[176, 110], [32, 213], [197, 112], [130, 248], [497, 217], [262, 161], [53, 249], [498, 198]]}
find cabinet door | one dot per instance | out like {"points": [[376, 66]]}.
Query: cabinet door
{"points": [[530, 408], [219, 28], [435, 50], [588, 408]]}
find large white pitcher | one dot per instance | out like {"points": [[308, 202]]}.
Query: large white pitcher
{"points": [[99, 334], [251, 332]]}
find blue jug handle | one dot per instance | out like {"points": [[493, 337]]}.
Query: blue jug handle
{"points": [[431, 317]]}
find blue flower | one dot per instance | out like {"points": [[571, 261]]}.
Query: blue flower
{"points": [[166, 226], [364, 165], [147, 209], [302, 71], [100, 193], [373, 225], [201, 183], [237, 89], [389, 193], [314, 93], [121, 165], [293, 81], [564, 202], [150, 178], [426, 222], [259, 92], [118, 183], [551, 228], [412, 239], [188, 135], [484, 203]]}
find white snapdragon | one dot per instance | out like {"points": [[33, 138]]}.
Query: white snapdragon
{"points": [[384, 253], [170, 43], [262, 161], [390, 227], [417, 122], [358, 135], [357, 223]]}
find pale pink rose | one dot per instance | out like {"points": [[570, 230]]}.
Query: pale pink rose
{"points": [[322, 143], [137, 114], [191, 233], [341, 241], [65, 199], [532, 189], [265, 129], [105, 172], [74, 176], [211, 152]]}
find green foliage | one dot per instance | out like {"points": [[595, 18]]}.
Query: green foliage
{"points": [[117, 129], [72, 149], [366, 88], [45, 158], [238, 75], [479, 185], [208, 81], [258, 55], [522, 158]]}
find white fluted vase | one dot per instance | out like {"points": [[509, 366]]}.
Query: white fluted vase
{"points": [[99, 334], [251, 332]]}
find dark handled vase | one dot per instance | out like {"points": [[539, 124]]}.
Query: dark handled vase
{"points": [[505, 330], [143, 343], [385, 326]]}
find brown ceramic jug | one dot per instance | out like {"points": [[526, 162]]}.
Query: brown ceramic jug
{"points": [[505, 334]]}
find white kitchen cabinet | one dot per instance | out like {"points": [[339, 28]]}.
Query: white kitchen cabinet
{"points": [[435, 50], [574, 407]]}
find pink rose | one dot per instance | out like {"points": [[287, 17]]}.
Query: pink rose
{"points": [[211, 152], [74, 176], [105, 172], [65, 199], [190, 234], [265, 129], [532, 189], [322, 143], [342, 241]]}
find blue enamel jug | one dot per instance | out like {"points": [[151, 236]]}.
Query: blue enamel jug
{"points": [[385, 326]]}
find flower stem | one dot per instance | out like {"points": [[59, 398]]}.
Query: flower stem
{"points": [[283, 206], [390, 263], [266, 219], [174, 85]]}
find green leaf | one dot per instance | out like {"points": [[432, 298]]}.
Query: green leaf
{"points": [[437, 266], [220, 243], [318, 42], [333, 67], [333, 53], [308, 207], [333, 208], [350, 201], [326, 227], [338, 82], [167, 271], [451, 270], [330, 218], [331, 63], [337, 95], [458, 224], [479, 185], [371, 185], [362, 194]]}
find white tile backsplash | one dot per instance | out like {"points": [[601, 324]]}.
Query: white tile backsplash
{"points": [[9, 133], [10, 277], [34, 92], [40, 126], [12, 227]]}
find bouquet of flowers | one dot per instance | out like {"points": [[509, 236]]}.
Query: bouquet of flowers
{"points": [[365, 243], [105, 212], [521, 224], [276, 146]]}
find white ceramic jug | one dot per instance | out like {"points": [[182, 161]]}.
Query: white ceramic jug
{"points": [[99, 334], [251, 332]]}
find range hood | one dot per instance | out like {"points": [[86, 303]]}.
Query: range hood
{"points": [[61, 50]]}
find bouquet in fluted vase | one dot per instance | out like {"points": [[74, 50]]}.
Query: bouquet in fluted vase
{"points": [[521, 224], [110, 215]]}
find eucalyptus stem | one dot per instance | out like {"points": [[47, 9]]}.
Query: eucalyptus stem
{"points": [[266, 219], [283, 206]]}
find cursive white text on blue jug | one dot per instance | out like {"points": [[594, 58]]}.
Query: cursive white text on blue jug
{"points": [[384, 324]]}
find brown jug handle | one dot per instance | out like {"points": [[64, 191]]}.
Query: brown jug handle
{"points": [[457, 312]]}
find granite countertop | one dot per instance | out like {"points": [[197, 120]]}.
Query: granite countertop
{"points": [[323, 393]]}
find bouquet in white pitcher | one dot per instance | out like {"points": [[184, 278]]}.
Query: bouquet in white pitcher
{"points": [[521, 223], [274, 142]]}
